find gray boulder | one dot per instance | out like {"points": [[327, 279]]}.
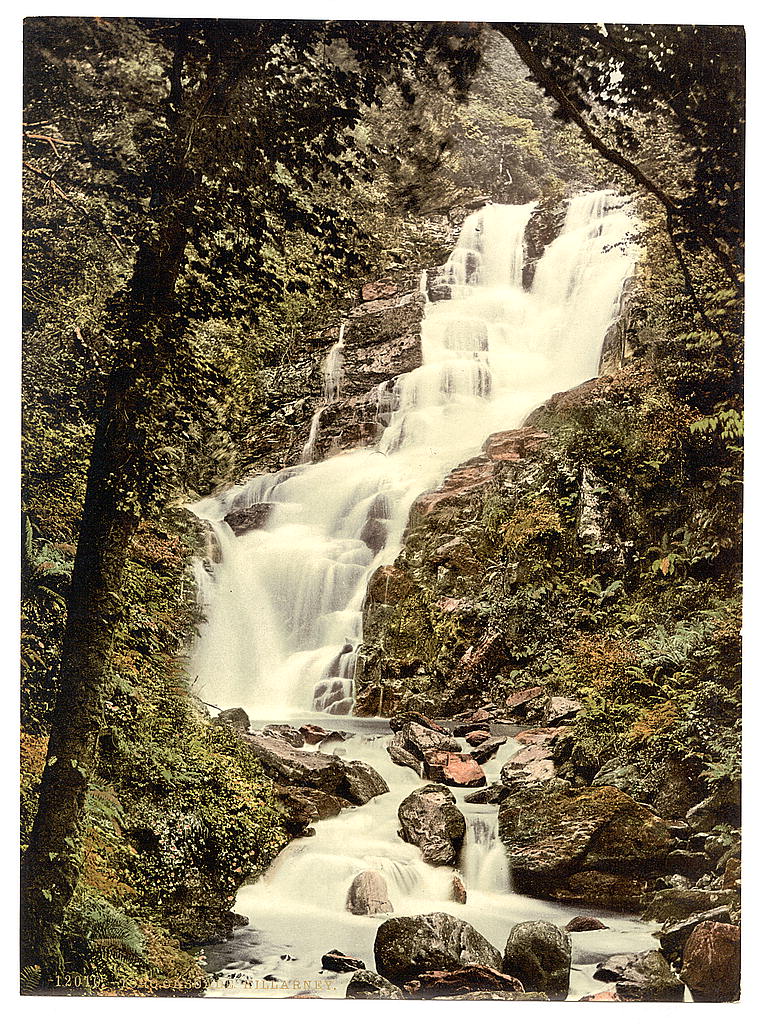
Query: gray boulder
{"points": [[538, 953], [402, 757], [235, 718], [642, 977], [289, 766], [419, 740], [431, 820], [368, 985], [368, 895], [406, 947]]}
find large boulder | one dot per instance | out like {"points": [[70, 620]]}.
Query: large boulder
{"points": [[532, 763], [254, 517], [368, 895], [453, 769], [483, 752], [553, 832], [538, 953], [235, 718], [305, 806], [432, 984], [289, 766], [673, 937], [431, 820], [712, 962], [420, 740], [642, 977], [402, 757], [674, 905], [368, 985], [406, 947]]}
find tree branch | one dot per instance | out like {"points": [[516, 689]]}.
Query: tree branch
{"points": [[94, 220], [671, 205]]}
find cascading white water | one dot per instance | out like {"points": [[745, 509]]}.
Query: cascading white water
{"points": [[297, 910], [284, 604]]}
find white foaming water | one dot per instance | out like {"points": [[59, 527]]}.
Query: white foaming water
{"points": [[284, 604], [297, 910]]}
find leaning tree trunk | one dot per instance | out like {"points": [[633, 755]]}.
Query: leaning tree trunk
{"points": [[115, 496]]}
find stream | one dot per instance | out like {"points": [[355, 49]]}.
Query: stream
{"points": [[283, 603], [297, 910]]}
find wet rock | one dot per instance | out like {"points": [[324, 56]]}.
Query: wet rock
{"points": [[432, 984], [431, 821], [552, 832], [286, 733], [399, 721], [479, 721], [585, 924], [389, 585], [453, 769], [341, 963], [235, 718], [530, 765], [486, 750], [538, 953], [313, 734], [305, 806], [421, 740], [602, 997], [712, 962], [402, 757], [374, 533], [672, 938], [476, 738], [493, 794], [349, 780], [675, 905], [368, 985], [406, 947], [459, 892], [243, 520], [368, 895], [642, 977], [362, 782]]}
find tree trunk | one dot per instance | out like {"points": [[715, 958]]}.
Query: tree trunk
{"points": [[116, 494]]}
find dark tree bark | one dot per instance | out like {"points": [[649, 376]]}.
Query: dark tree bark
{"points": [[118, 490]]}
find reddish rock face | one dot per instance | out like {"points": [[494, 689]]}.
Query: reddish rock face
{"points": [[453, 769], [517, 700], [459, 892], [477, 737], [602, 997], [379, 290], [712, 962], [313, 733], [389, 585]]}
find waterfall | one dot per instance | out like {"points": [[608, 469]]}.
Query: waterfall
{"points": [[284, 604]]}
